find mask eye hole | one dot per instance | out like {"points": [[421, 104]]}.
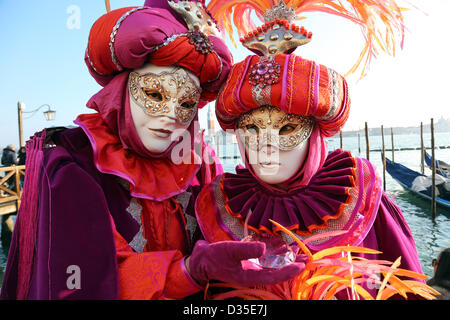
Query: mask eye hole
{"points": [[287, 129], [252, 128], [186, 105], [154, 95]]}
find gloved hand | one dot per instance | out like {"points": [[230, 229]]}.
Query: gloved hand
{"points": [[222, 261]]}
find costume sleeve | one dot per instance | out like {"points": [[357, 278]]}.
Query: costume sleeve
{"points": [[393, 236], [79, 253], [152, 275], [75, 252]]}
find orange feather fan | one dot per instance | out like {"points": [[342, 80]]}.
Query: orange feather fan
{"points": [[381, 21], [332, 270]]}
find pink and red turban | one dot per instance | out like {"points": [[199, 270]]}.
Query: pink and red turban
{"points": [[303, 87], [127, 38]]}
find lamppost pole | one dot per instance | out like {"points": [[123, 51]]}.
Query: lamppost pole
{"points": [[20, 113]]}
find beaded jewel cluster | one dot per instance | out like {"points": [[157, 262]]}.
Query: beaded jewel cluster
{"points": [[264, 73], [201, 42]]}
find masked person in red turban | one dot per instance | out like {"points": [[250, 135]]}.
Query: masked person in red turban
{"points": [[281, 107], [107, 209]]}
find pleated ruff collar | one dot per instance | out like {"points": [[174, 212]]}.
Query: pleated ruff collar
{"points": [[153, 179], [343, 195]]}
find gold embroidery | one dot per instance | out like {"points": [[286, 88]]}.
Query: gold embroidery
{"points": [[271, 125]]}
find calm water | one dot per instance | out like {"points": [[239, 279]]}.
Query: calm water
{"points": [[430, 237]]}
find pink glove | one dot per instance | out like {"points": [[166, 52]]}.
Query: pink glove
{"points": [[222, 261]]}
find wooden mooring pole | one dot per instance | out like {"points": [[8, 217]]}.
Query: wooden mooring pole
{"points": [[422, 150], [217, 136], [341, 140], [433, 173], [367, 142], [359, 143], [7, 230], [392, 143], [384, 158]]}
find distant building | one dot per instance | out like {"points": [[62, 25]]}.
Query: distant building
{"points": [[442, 125], [211, 124]]}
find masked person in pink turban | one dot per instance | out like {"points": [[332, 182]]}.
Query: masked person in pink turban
{"points": [[107, 209], [281, 108]]}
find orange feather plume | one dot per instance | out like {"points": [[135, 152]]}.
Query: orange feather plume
{"points": [[381, 21], [333, 270], [107, 5]]}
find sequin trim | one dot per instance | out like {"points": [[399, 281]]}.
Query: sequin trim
{"points": [[169, 40], [261, 96], [233, 224], [91, 64], [334, 87], [114, 33], [220, 70], [186, 34], [138, 243], [191, 222]]}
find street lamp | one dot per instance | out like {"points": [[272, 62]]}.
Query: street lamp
{"points": [[49, 116]]}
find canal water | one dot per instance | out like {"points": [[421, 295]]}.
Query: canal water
{"points": [[430, 236]]}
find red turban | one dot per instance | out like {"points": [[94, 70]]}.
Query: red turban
{"points": [[128, 38], [303, 87]]}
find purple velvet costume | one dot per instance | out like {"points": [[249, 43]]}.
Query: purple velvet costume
{"points": [[74, 226]]}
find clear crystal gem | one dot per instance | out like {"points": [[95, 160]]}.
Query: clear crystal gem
{"points": [[278, 254]]}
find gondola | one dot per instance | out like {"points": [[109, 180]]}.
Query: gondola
{"points": [[405, 177], [442, 168]]}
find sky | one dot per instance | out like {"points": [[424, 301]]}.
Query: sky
{"points": [[42, 62]]}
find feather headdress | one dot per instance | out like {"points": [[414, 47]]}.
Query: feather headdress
{"points": [[381, 21]]}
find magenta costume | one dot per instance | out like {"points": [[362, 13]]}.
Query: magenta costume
{"points": [[101, 216], [330, 192]]}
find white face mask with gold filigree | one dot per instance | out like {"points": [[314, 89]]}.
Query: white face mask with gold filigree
{"points": [[276, 142], [163, 103]]}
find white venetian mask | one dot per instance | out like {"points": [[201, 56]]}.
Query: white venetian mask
{"points": [[163, 103], [275, 142]]}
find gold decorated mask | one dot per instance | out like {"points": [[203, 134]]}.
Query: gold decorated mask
{"points": [[157, 94], [269, 125]]}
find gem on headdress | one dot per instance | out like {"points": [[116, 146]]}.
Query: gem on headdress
{"points": [[201, 42], [264, 73], [273, 49], [287, 36]]}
